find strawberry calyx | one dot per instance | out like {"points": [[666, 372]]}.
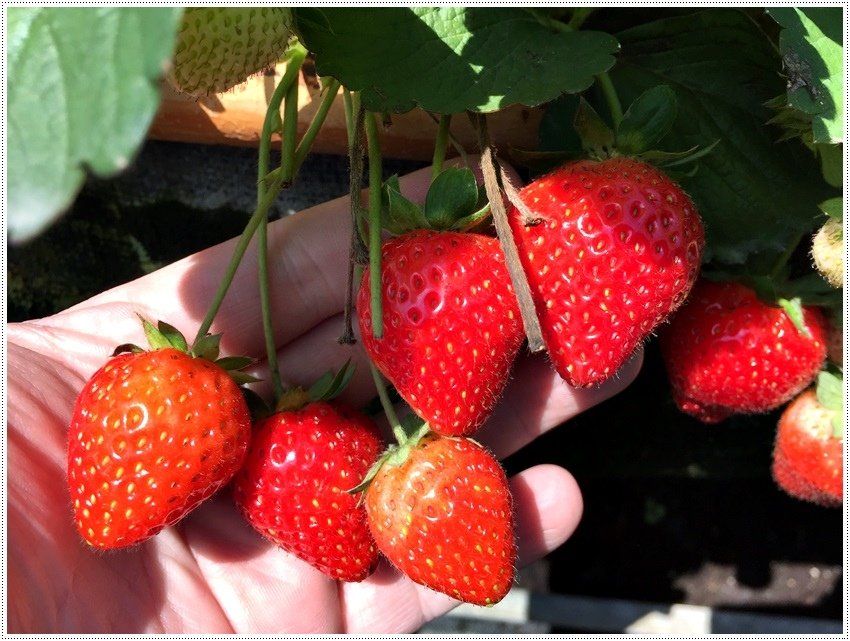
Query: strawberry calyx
{"points": [[453, 202], [326, 388], [415, 430], [635, 134], [830, 394], [166, 336]]}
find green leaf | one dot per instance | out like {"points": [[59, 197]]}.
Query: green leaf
{"points": [[451, 59], [596, 136], [813, 60], [754, 195], [647, 120], [82, 92], [452, 195], [831, 162]]}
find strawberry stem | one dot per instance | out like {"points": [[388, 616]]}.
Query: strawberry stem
{"points": [[316, 123], [782, 260], [440, 145], [287, 162], [610, 93], [354, 116], [452, 139], [580, 14], [386, 404], [375, 179], [265, 197]]}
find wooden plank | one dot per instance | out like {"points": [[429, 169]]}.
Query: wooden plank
{"points": [[236, 117]]}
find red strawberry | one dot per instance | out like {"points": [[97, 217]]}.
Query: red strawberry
{"points": [[611, 249], [293, 488], [451, 325], [807, 456], [728, 352], [152, 435], [444, 517]]}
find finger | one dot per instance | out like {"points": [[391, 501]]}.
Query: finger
{"points": [[548, 509], [538, 399]]}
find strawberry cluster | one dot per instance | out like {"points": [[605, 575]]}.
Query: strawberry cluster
{"points": [[610, 251]]}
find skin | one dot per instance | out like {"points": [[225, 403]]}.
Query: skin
{"points": [[212, 573]]}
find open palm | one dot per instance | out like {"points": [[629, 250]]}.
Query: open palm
{"points": [[212, 573]]}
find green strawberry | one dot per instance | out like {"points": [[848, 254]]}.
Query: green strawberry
{"points": [[220, 47], [828, 252]]}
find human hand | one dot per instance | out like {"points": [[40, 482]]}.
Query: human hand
{"points": [[212, 573]]}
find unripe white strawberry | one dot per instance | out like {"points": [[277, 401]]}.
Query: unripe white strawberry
{"points": [[220, 47], [828, 252]]}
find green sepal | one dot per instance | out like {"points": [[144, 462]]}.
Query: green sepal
{"points": [[453, 201], [794, 309], [242, 378], [207, 347], [452, 195], [164, 336], [331, 384], [233, 363], [399, 214], [257, 405], [833, 207], [647, 120], [597, 138], [127, 347], [396, 454], [666, 159], [475, 218], [327, 387], [830, 393]]}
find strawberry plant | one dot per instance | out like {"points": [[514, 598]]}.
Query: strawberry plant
{"points": [[685, 196]]}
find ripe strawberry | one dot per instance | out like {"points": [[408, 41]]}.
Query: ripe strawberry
{"points": [[613, 248], [152, 435], [728, 352], [220, 47], [443, 515], [807, 455], [293, 488], [451, 325]]}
